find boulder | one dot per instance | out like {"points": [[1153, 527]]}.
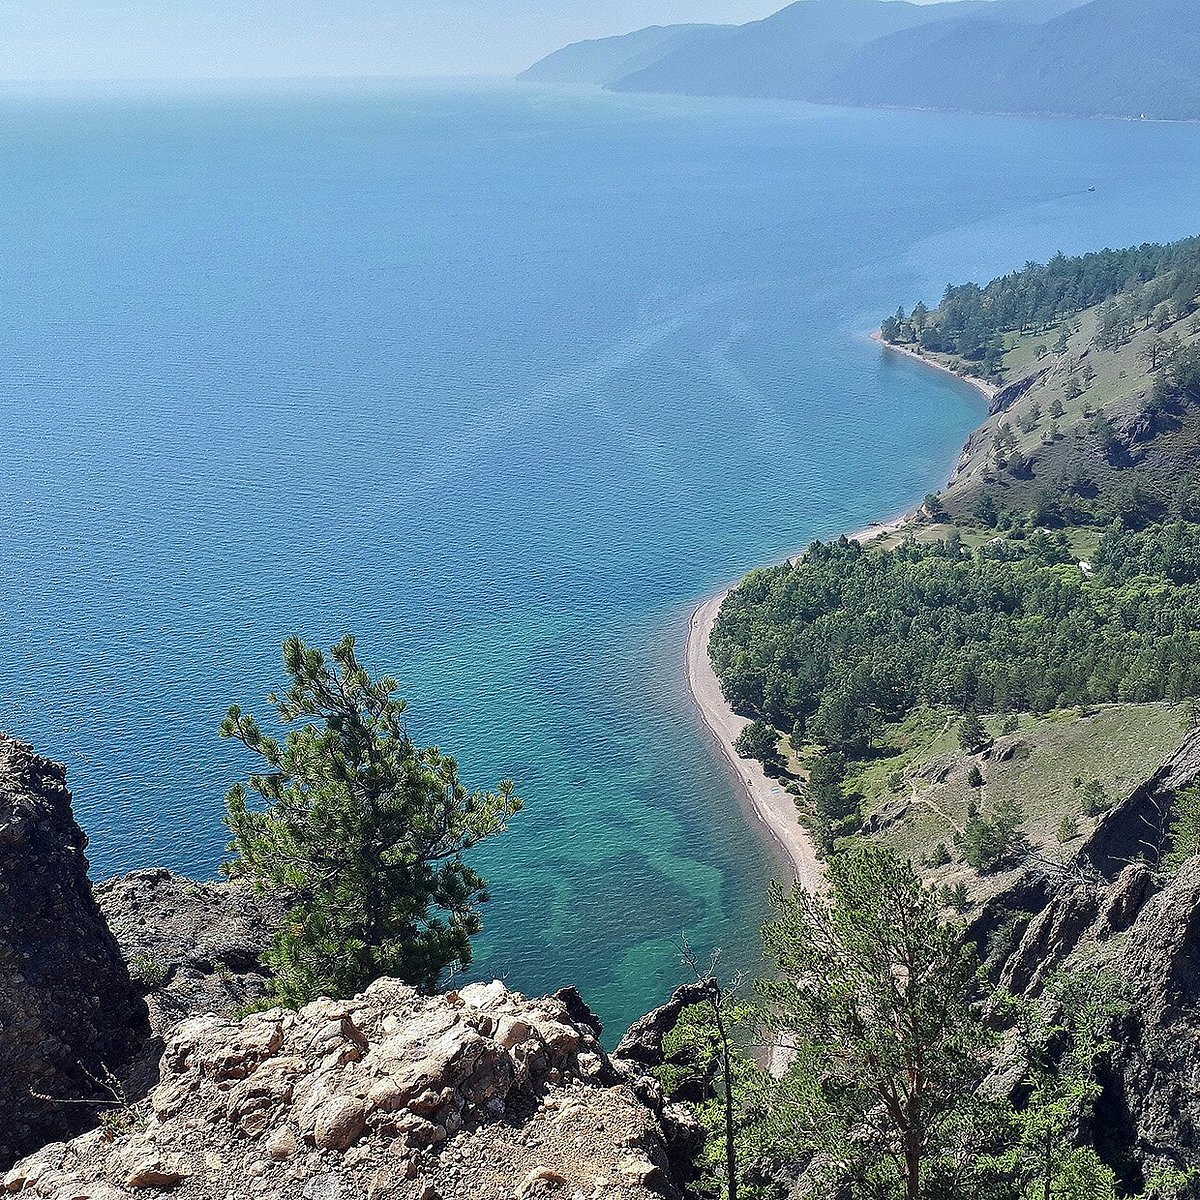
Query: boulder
{"points": [[192, 947]]}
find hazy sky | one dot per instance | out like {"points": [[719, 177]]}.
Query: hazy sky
{"points": [[122, 39]]}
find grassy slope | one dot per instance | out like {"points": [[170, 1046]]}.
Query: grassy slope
{"points": [[1056, 447], [917, 790]]}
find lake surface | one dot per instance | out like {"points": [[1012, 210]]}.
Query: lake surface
{"points": [[501, 380]]}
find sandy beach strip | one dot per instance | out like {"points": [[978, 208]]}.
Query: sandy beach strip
{"points": [[772, 806], [988, 389]]}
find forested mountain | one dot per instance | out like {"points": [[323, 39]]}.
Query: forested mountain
{"points": [[1098, 415], [1108, 58], [845, 638], [787, 54], [1102, 57], [604, 61], [1057, 568]]}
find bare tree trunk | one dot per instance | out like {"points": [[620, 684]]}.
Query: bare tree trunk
{"points": [[912, 1171]]}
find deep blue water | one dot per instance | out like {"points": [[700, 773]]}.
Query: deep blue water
{"points": [[502, 380]]}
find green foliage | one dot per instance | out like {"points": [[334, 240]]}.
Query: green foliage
{"points": [[939, 856], [832, 812], [897, 1039], [881, 1001], [1060, 1036], [971, 320], [933, 507], [149, 971], [693, 1072], [1180, 379], [1068, 828], [847, 637], [1094, 800], [759, 741], [989, 843], [975, 777], [1172, 1183], [972, 735], [956, 898], [1184, 831], [987, 510], [361, 830]]}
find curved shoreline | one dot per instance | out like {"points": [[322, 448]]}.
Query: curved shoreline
{"points": [[766, 799], [989, 390]]}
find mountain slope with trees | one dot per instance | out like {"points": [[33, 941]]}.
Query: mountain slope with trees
{"points": [[604, 61], [1053, 576], [1126, 58]]}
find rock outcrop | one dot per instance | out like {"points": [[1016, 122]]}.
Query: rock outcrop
{"points": [[1136, 829], [642, 1045], [71, 1021], [476, 1095], [192, 947], [1116, 913], [1149, 1110]]}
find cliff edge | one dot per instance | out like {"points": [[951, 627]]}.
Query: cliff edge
{"points": [[1114, 912], [479, 1094], [72, 1020]]}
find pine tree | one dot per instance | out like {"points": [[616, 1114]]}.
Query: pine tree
{"points": [[361, 831], [760, 741], [972, 733], [879, 999]]}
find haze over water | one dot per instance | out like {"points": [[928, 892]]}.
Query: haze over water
{"points": [[501, 380]]}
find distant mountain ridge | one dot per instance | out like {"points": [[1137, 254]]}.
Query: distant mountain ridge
{"points": [[1121, 58], [604, 61]]}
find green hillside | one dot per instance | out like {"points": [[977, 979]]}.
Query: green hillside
{"points": [[1098, 416], [979, 686]]}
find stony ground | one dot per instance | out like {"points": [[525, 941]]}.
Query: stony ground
{"points": [[476, 1095]]}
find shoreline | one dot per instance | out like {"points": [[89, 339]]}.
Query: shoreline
{"points": [[989, 390], [765, 799]]}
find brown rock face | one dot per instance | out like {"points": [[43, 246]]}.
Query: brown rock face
{"points": [[68, 1011], [479, 1095]]}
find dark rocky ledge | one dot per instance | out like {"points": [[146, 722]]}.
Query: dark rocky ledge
{"points": [[73, 1022]]}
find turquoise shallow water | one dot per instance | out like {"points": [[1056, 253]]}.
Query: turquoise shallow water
{"points": [[502, 380]]}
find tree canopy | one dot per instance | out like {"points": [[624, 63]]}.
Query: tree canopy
{"points": [[879, 1000], [971, 320], [360, 830], [846, 637]]}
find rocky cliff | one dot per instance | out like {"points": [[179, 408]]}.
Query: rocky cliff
{"points": [[480, 1094], [1114, 912], [71, 1020], [191, 947], [476, 1095]]}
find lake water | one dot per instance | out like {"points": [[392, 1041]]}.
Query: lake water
{"points": [[502, 380]]}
